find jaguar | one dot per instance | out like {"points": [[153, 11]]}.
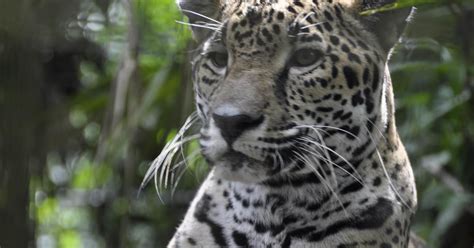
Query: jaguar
{"points": [[298, 127]]}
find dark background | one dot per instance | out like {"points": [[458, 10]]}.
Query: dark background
{"points": [[91, 90]]}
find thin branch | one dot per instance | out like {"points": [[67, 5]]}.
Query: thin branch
{"points": [[121, 84]]}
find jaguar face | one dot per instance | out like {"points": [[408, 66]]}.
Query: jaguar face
{"points": [[285, 87]]}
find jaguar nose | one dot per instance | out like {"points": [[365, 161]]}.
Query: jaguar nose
{"points": [[233, 123]]}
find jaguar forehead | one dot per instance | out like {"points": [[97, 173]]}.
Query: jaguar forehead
{"points": [[256, 24], [253, 30]]}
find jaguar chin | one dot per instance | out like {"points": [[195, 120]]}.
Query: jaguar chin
{"points": [[235, 166]]}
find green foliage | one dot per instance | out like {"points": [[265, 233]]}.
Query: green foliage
{"points": [[431, 77], [403, 4], [77, 184], [69, 238], [46, 211], [90, 176], [86, 200]]}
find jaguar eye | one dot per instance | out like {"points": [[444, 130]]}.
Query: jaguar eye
{"points": [[219, 59], [306, 56]]}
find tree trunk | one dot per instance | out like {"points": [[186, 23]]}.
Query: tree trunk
{"points": [[20, 110]]}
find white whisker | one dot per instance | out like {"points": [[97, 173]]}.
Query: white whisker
{"points": [[388, 176], [375, 126], [329, 127], [307, 161], [162, 169], [307, 16], [200, 15], [332, 163], [193, 117], [208, 24], [199, 26], [313, 25], [321, 140], [191, 158], [332, 151]]}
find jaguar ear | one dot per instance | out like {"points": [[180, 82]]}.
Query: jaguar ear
{"points": [[200, 13], [388, 26]]}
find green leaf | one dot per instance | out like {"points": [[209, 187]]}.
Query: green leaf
{"points": [[46, 210], [90, 176], [69, 239], [399, 5]]}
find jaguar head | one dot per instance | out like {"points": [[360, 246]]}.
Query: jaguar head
{"points": [[283, 87]]}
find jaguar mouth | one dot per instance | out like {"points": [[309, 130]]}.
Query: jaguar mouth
{"points": [[269, 153], [238, 166], [235, 159]]}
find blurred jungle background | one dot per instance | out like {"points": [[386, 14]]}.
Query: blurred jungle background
{"points": [[91, 90]]}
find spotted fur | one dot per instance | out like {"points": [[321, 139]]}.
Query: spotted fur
{"points": [[298, 125]]}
